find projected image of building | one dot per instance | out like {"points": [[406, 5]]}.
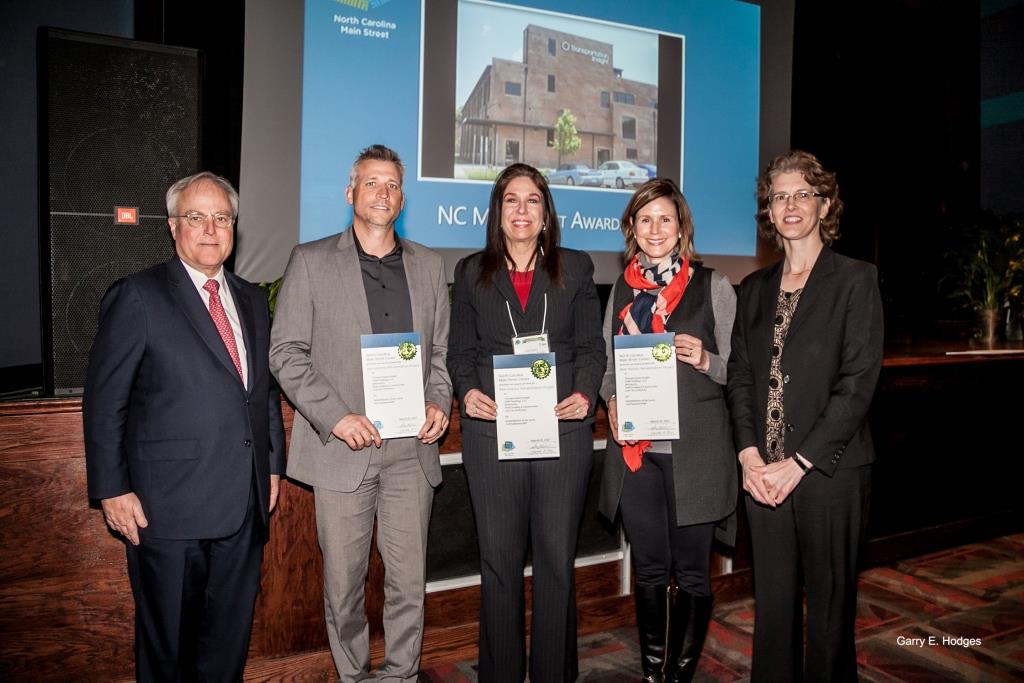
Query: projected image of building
{"points": [[512, 113]]}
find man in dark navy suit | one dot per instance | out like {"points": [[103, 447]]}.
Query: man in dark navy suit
{"points": [[183, 439]]}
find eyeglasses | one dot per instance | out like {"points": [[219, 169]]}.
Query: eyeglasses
{"points": [[198, 220], [800, 197]]}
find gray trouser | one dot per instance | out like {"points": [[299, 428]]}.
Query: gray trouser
{"points": [[396, 492]]}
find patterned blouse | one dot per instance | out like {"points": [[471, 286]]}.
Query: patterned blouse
{"points": [[776, 431]]}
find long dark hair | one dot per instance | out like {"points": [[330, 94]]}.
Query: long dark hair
{"points": [[495, 250]]}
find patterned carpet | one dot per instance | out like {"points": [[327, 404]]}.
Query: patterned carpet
{"points": [[955, 615]]}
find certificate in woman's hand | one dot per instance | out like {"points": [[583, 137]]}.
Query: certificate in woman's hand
{"points": [[526, 392], [645, 387]]}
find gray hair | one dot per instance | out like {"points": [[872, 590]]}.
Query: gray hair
{"points": [[175, 191], [376, 153]]}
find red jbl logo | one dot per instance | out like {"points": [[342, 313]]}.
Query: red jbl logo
{"points": [[126, 215]]}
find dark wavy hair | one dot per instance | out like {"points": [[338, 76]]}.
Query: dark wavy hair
{"points": [[656, 188], [823, 182], [495, 250]]}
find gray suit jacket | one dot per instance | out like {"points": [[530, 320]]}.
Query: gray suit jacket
{"points": [[314, 352]]}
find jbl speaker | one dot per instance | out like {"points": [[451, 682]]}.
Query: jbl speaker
{"points": [[119, 124]]}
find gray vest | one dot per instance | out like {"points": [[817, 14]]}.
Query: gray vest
{"points": [[703, 458]]}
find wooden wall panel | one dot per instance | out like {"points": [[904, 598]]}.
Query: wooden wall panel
{"points": [[65, 606], [290, 607]]}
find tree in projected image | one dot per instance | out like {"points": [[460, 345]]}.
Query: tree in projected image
{"points": [[567, 139]]}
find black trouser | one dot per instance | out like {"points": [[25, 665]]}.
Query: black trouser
{"points": [[194, 602], [815, 535], [660, 548], [535, 504]]}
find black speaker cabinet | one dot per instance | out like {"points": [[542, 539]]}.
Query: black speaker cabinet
{"points": [[119, 123]]}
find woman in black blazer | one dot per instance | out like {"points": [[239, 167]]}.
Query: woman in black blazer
{"points": [[671, 494], [522, 283], [806, 353]]}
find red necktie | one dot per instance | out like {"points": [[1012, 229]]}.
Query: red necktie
{"points": [[220, 319]]}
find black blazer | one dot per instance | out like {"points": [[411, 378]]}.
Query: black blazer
{"points": [[830, 361], [480, 329], [166, 414]]}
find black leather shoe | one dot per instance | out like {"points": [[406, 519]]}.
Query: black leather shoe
{"points": [[689, 619], [652, 623]]}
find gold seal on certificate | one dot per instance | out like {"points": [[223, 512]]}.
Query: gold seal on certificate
{"points": [[661, 352], [393, 383], [540, 369], [646, 396], [407, 350], [526, 391]]}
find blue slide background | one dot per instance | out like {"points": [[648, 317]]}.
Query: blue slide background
{"points": [[359, 90]]}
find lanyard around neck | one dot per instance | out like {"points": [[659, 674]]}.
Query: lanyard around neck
{"points": [[543, 320]]}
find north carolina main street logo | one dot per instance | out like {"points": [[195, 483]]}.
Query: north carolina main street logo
{"points": [[540, 369], [407, 350]]}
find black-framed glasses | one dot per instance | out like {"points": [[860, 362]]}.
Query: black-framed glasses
{"points": [[800, 197], [198, 220]]}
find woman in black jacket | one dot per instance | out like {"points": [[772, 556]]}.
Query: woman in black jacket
{"points": [[806, 353], [523, 282]]}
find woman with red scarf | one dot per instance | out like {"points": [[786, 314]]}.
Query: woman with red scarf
{"points": [[672, 495]]}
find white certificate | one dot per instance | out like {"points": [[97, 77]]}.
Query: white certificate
{"points": [[393, 383], [526, 392], [646, 396]]}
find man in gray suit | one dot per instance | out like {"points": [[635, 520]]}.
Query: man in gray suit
{"points": [[362, 281]]}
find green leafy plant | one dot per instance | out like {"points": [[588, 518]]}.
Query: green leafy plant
{"points": [[988, 270], [271, 289]]}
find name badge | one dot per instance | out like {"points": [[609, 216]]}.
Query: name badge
{"points": [[530, 343]]}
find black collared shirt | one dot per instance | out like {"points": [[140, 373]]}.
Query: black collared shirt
{"points": [[387, 290]]}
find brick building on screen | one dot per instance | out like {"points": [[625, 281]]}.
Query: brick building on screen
{"points": [[511, 113]]}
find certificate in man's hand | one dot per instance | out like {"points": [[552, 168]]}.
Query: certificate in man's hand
{"points": [[393, 383], [526, 392], [646, 396]]}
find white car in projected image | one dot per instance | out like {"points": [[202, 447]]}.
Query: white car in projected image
{"points": [[621, 174], [574, 174]]}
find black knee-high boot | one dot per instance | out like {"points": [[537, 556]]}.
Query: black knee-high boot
{"points": [[688, 621], [652, 623]]}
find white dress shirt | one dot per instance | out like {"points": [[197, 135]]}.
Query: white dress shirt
{"points": [[226, 300]]}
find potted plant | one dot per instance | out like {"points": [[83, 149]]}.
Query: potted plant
{"points": [[988, 274], [271, 289]]}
